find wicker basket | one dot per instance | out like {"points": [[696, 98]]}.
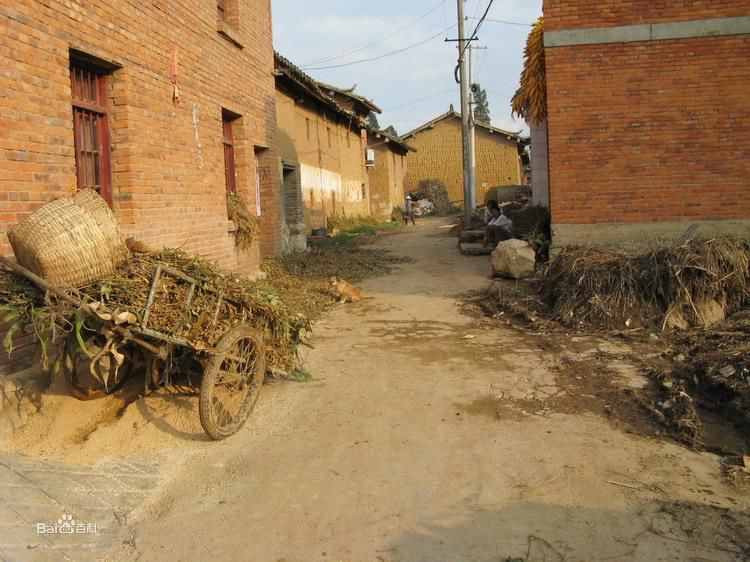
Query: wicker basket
{"points": [[70, 241]]}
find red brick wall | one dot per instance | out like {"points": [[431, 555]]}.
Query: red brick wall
{"points": [[167, 160], [579, 14], [649, 131]]}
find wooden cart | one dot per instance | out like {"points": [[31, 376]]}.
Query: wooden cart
{"points": [[233, 370]]}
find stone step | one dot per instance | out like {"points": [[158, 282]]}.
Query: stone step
{"points": [[468, 249], [471, 236]]}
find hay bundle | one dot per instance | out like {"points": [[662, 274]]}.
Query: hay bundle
{"points": [[247, 224], [673, 286]]}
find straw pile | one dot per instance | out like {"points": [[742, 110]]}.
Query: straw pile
{"points": [[676, 286], [435, 192], [350, 262], [247, 225]]}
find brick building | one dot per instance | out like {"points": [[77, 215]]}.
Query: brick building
{"points": [[324, 143], [160, 106], [439, 156], [648, 118]]}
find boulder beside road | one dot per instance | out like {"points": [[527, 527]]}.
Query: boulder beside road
{"points": [[514, 259]]}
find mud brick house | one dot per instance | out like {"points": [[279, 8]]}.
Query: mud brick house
{"points": [[322, 148], [648, 115], [439, 156], [387, 166], [388, 174], [160, 106], [327, 163]]}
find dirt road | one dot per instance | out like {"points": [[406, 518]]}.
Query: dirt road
{"points": [[401, 450], [425, 436]]}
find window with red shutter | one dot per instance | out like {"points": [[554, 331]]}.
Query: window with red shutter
{"points": [[91, 128]]}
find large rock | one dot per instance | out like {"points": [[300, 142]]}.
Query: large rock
{"points": [[514, 259]]}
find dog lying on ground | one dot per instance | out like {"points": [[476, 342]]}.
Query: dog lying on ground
{"points": [[345, 291]]}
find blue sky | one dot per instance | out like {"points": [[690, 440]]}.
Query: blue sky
{"points": [[416, 85]]}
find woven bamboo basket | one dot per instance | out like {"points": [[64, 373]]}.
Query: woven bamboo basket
{"points": [[71, 241]]}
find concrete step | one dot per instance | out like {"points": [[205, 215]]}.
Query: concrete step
{"points": [[468, 249]]}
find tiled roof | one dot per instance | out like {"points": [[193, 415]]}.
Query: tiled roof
{"points": [[452, 113]]}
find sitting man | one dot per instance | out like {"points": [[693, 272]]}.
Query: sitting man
{"points": [[499, 228], [491, 204]]}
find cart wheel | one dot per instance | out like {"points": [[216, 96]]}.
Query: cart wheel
{"points": [[231, 382]]}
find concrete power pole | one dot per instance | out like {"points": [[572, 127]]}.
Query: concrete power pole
{"points": [[472, 129], [469, 175]]}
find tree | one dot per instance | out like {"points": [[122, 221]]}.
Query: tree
{"points": [[372, 121], [481, 107], [391, 130]]}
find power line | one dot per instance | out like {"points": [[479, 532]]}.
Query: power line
{"points": [[473, 35], [363, 47], [507, 22], [417, 100], [438, 34]]}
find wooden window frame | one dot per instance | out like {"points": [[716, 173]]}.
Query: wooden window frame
{"points": [[228, 142], [89, 106]]}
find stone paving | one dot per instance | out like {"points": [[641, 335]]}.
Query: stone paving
{"points": [[54, 511]]}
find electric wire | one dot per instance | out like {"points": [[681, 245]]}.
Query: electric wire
{"points": [[396, 52], [373, 43]]}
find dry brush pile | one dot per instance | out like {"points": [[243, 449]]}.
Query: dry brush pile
{"points": [[672, 286]]}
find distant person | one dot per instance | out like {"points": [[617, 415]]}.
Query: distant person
{"points": [[409, 211], [499, 228], [491, 204]]}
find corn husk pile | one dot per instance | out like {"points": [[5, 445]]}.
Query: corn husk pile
{"points": [[669, 287]]}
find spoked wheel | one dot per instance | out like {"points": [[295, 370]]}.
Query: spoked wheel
{"points": [[231, 382]]}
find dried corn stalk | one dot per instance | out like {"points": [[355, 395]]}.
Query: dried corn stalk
{"points": [[530, 100]]}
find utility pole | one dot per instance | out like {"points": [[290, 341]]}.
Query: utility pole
{"points": [[472, 130], [469, 178]]}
